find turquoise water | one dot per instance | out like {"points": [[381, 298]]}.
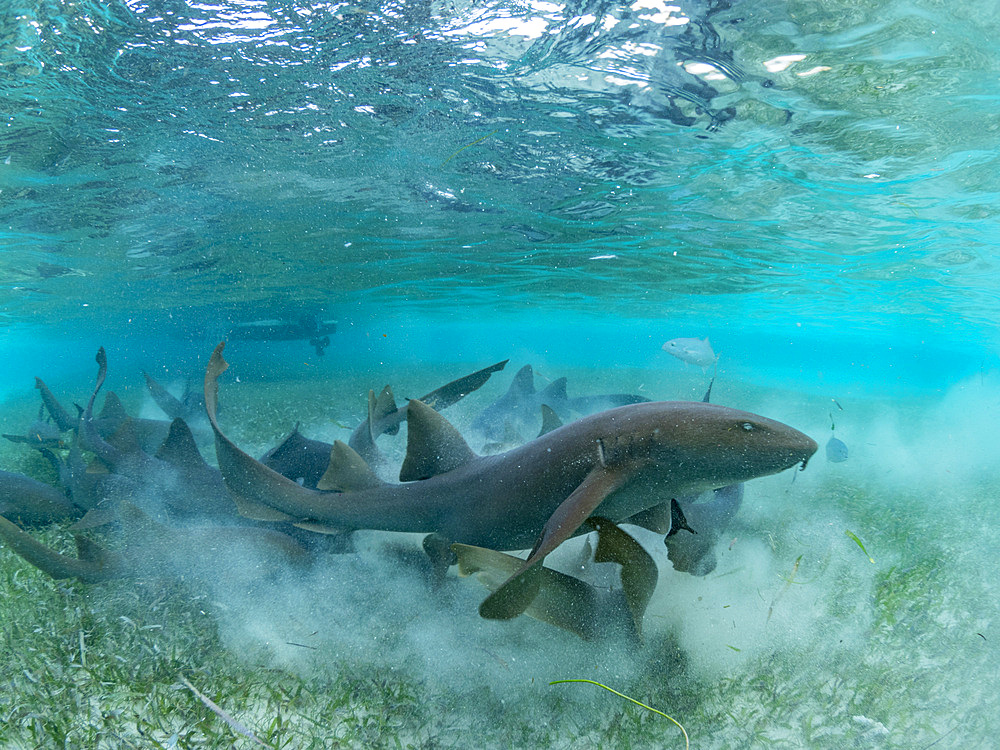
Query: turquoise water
{"points": [[814, 186]]}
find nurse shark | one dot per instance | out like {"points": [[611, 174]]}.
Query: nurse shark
{"points": [[595, 472], [519, 410]]}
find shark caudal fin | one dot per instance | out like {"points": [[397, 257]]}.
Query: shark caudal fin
{"points": [[61, 417], [453, 392], [168, 403], [253, 486], [263, 494], [384, 417]]}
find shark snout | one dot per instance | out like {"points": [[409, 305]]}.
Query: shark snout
{"points": [[807, 447], [788, 448]]}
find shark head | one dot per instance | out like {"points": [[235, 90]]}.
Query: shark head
{"points": [[704, 446], [742, 445]]}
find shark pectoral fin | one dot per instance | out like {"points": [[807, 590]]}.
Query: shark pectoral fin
{"points": [[639, 574], [550, 420], [456, 390], [520, 588], [321, 528], [258, 511], [438, 550], [560, 600], [677, 519], [433, 445], [347, 471], [655, 519], [575, 509], [513, 596]]}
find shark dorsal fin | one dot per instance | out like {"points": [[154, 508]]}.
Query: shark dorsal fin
{"points": [[347, 471], [293, 443], [433, 445], [550, 420], [524, 381], [113, 408], [126, 438], [385, 403], [179, 448], [555, 392], [382, 407]]}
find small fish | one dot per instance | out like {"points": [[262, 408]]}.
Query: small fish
{"points": [[693, 351], [836, 450]]}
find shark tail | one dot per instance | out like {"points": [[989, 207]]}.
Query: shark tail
{"points": [[62, 417], [92, 564]]}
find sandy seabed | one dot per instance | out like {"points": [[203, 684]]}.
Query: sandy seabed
{"points": [[851, 607]]}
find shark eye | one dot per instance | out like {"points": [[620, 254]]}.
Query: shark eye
{"points": [[748, 426]]}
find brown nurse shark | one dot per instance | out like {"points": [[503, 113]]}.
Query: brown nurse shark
{"points": [[614, 464]]}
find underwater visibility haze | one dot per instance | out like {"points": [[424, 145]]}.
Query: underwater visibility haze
{"points": [[787, 208]]}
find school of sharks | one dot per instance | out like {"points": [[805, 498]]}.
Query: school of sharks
{"points": [[596, 463]]}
